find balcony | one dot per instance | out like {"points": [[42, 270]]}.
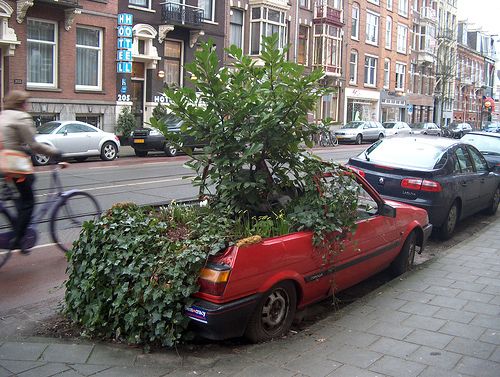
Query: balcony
{"points": [[426, 56], [428, 14], [62, 3], [181, 14], [329, 70], [326, 14]]}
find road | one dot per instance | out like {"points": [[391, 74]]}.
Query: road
{"points": [[156, 179]]}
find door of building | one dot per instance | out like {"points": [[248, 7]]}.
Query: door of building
{"points": [[137, 95]]}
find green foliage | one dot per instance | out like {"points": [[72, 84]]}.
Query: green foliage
{"points": [[256, 120], [126, 122]]}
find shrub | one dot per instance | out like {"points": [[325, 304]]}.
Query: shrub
{"points": [[126, 122]]}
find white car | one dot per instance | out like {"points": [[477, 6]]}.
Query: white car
{"points": [[396, 128], [359, 131], [77, 140]]}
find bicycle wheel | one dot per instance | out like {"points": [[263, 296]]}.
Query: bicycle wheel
{"points": [[69, 215], [334, 140], [6, 232]]}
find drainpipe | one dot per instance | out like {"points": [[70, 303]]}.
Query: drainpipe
{"points": [[296, 30]]}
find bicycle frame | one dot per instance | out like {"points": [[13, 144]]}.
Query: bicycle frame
{"points": [[55, 195]]}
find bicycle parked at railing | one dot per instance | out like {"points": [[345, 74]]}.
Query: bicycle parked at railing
{"points": [[328, 139], [67, 210]]}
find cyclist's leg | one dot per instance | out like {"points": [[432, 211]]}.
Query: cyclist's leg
{"points": [[6, 233], [25, 203], [69, 215]]}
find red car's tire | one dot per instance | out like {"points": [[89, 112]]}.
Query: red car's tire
{"points": [[404, 260], [274, 314]]}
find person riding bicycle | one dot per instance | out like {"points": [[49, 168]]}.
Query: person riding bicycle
{"points": [[18, 131]]}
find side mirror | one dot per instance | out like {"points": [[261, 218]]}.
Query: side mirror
{"points": [[65, 132], [388, 210]]}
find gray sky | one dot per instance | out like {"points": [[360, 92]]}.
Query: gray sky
{"points": [[485, 13]]}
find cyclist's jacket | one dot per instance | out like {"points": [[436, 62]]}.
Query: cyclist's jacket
{"points": [[18, 132]]}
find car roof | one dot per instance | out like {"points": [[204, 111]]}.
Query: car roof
{"points": [[490, 134], [439, 142]]}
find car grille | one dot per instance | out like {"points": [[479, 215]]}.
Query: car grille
{"points": [[140, 133]]}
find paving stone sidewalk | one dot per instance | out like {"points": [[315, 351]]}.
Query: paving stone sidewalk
{"points": [[438, 321]]}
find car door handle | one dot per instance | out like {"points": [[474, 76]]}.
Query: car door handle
{"points": [[482, 180], [464, 184]]}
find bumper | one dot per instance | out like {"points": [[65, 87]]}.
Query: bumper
{"points": [[346, 137], [221, 321], [147, 143], [427, 232]]}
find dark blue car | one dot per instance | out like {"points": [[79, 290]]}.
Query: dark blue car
{"points": [[449, 178]]}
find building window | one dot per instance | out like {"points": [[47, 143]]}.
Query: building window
{"points": [[372, 28], [387, 69], [94, 120], [374, 2], [303, 45], [236, 32], [403, 8], [388, 33], [140, 3], [355, 22], [304, 3], [353, 67], [40, 119], [327, 48], [370, 70], [400, 76], [208, 7], [389, 4], [172, 63], [88, 58], [266, 22], [402, 39], [42, 53]]}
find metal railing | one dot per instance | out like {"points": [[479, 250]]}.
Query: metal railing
{"points": [[326, 13], [181, 13]]}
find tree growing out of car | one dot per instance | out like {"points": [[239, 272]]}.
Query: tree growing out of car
{"points": [[254, 117]]}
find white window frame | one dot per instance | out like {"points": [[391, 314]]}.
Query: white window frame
{"points": [[99, 59], [353, 73], [374, 78], [181, 61], [55, 51], [400, 76], [369, 26], [141, 7], [387, 73], [282, 34], [388, 33], [355, 10], [402, 40], [376, 2], [306, 52], [307, 4], [212, 16], [389, 4], [403, 8]]}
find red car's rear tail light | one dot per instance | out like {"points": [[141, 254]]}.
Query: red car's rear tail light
{"points": [[419, 184], [359, 171], [213, 279]]}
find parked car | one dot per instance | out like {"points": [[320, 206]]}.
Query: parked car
{"points": [[151, 139], [460, 129], [491, 127], [77, 140], [396, 128], [254, 290], [425, 128], [359, 131], [448, 178], [488, 144]]}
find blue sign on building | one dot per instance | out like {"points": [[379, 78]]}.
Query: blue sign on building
{"points": [[124, 67], [125, 19]]}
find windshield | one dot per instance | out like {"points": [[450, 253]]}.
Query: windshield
{"points": [[409, 154], [352, 125], [417, 125], [48, 128], [389, 125], [489, 144]]}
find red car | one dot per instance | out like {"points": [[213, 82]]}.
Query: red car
{"points": [[255, 290]]}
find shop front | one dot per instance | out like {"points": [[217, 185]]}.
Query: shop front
{"points": [[361, 104], [392, 107]]}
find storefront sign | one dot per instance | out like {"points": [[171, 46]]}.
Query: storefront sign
{"points": [[410, 109], [124, 53]]}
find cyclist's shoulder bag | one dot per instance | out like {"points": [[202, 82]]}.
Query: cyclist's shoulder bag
{"points": [[14, 163]]}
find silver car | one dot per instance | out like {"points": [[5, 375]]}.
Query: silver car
{"points": [[77, 140], [359, 131], [396, 128], [425, 128]]}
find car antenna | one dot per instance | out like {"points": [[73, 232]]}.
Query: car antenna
{"points": [[366, 156]]}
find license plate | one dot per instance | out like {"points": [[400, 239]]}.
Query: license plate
{"points": [[196, 313], [139, 141]]}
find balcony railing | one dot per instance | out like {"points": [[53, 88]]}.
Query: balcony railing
{"points": [[63, 3], [330, 70], [181, 14], [326, 14]]}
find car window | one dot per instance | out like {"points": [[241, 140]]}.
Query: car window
{"points": [[367, 206], [74, 128], [404, 153], [48, 128], [456, 164], [464, 160], [479, 161]]}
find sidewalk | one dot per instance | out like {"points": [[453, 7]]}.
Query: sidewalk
{"points": [[441, 320]]}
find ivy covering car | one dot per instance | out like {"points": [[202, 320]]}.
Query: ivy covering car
{"points": [[255, 287]]}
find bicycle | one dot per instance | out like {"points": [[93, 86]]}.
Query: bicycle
{"points": [[65, 219], [328, 139]]}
